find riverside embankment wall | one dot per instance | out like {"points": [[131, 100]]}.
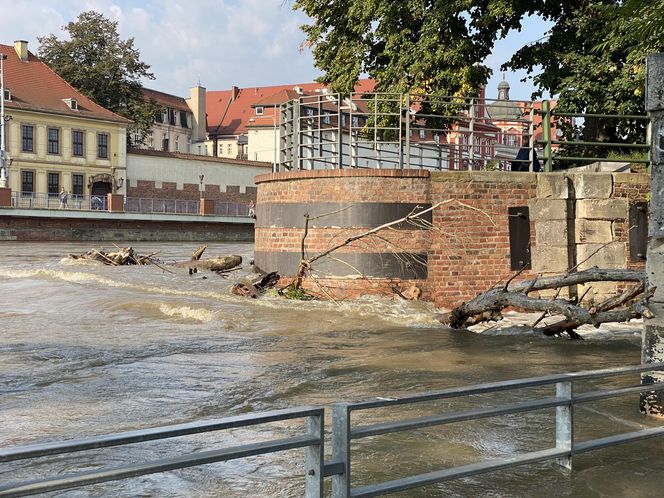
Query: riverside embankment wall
{"points": [[466, 245], [47, 225]]}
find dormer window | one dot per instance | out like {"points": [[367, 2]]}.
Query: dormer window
{"points": [[71, 103], [259, 111], [8, 94]]}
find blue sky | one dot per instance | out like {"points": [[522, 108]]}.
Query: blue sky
{"points": [[217, 42]]}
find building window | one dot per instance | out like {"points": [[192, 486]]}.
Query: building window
{"points": [[422, 132], [164, 142], [177, 143], [8, 95], [230, 149], [326, 118], [27, 138], [183, 119], [77, 143], [53, 141], [151, 140], [138, 137], [27, 182], [259, 111], [77, 184], [171, 117], [159, 116], [102, 146], [53, 183]]}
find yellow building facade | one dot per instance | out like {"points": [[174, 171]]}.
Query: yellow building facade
{"points": [[56, 138]]}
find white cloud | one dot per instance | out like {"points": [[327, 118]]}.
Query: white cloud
{"points": [[219, 42]]}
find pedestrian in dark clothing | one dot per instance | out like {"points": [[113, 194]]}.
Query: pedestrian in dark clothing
{"points": [[521, 161]]}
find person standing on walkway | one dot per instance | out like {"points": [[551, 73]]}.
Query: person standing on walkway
{"points": [[63, 198]]}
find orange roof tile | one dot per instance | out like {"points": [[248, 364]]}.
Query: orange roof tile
{"points": [[35, 87], [228, 116]]}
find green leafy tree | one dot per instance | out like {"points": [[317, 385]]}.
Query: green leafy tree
{"points": [[410, 45], [593, 61], [105, 68]]}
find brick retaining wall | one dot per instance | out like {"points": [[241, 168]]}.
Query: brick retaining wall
{"points": [[468, 250]]}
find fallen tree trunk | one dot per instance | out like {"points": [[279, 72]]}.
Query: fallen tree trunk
{"points": [[221, 263], [488, 305]]}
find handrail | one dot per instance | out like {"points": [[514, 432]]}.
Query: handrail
{"points": [[343, 433], [564, 400], [313, 440], [322, 131]]}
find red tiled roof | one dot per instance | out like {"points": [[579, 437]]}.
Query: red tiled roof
{"points": [[166, 99], [35, 87], [226, 116]]}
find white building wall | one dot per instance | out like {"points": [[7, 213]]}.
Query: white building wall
{"points": [[181, 171]]}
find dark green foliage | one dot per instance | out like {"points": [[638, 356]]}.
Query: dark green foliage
{"points": [[424, 46], [103, 67], [592, 60]]}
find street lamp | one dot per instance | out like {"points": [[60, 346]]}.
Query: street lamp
{"points": [[3, 150], [274, 132]]}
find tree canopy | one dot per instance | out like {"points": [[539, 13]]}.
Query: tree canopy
{"points": [[441, 45], [423, 45], [105, 68], [592, 60]]}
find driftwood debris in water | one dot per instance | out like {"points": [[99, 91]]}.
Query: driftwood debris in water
{"points": [[221, 263], [257, 287], [631, 303], [123, 256], [198, 252]]}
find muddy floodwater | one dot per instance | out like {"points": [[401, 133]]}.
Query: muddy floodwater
{"points": [[87, 349]]}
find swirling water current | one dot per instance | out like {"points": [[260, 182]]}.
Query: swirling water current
{"points": [[88, 349]]}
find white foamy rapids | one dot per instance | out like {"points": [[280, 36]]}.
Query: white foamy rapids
{"points": [[395, 311], [185, 312], [82, 278]]}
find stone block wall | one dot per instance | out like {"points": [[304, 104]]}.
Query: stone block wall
{"points": [[581, 220]]}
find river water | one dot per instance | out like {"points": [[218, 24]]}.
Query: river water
{"points": [[87, 349]]}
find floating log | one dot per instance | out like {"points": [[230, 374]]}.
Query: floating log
{"points": [[221, 263]]}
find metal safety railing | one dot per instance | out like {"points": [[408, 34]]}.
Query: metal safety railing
{"points": [[402, 130], [231, 209], [344, 432], [311, 439], [31, 200], [173, 206]]}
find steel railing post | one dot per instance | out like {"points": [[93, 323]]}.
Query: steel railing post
{"points": [[408, 130], [565, 423], [531, 139], [341, 449], [546, 135], [315, 459], [471, 137]]}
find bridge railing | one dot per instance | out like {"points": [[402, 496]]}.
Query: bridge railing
{"points": [[344, 432]]}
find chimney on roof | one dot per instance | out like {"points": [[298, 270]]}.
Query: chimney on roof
{"points": [[235, 91], [21, 47]]}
